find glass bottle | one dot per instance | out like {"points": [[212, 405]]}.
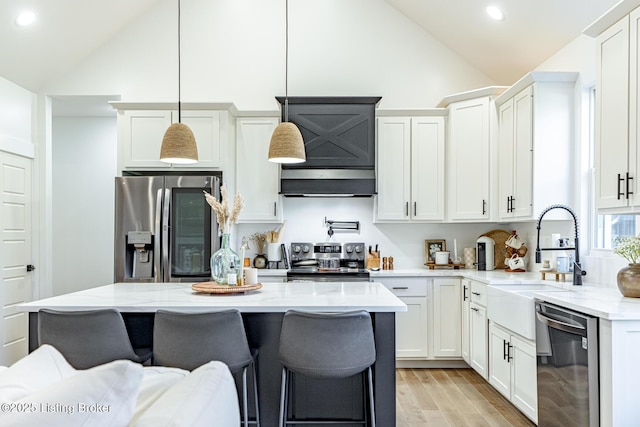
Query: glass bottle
{"points": [[225, 264]]}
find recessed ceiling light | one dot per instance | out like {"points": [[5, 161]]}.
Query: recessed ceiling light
{"points": [[25, 18], [495, 13]]}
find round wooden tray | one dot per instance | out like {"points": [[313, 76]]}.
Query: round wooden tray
{"points": [[214, 288]]}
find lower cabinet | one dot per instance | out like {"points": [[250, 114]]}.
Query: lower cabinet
{"points": [[512, 369], [475, 329], [430, 329], [447, 318], [412, 335]]}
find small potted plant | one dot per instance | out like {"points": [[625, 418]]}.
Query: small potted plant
{"points": [[260, 261], [628, 247]]}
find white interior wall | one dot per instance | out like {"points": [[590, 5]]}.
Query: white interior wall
{"points": [[84, 165], [234, 51]]}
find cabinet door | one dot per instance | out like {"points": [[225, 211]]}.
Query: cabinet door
{"points": [[524, 385], [634, 104], [612, 111], [522, 197], [427, 168], [478, 335], [205, 126], [447, 318], [411, 329], [141, 133], [465, 306], [505, 158], [257, 179], [499, 366], [468, 172], [394, 175]]}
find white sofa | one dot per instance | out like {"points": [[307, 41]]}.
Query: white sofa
{"points": [[43, 389]]}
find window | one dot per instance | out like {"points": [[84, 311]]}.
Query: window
{"points": [[606, 228]]}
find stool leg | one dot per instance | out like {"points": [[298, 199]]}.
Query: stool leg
{"points": [[371, 401], [283, 387], [245, 408], [255, 391]]}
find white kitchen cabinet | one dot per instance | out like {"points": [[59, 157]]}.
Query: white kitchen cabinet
{"points": [[465, 325], [468, 162], [411, 161], [141, 127], [512, 369], [478, 329], [257, 179], [535, 144], [474, 326], [447, 318], [412, 331], [617, 116]]}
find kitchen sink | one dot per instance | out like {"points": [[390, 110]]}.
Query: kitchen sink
{"points": [[512, 306]]}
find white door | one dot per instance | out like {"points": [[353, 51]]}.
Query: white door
{"points": [[447, 328], [394, 175], [478, 333], [15, 254], [427, 168]]}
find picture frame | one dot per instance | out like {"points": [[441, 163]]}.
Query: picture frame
{"points": [[433, 246]]}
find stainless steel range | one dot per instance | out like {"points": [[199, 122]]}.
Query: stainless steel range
{"points": [[328, 262]]}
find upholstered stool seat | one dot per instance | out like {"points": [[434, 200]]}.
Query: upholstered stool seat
{"points": [[326, 345]]}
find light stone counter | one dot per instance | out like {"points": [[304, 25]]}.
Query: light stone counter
{"points": [[272, 298]]}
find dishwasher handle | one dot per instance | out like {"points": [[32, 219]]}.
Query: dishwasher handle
{"points": [[557, 322]]}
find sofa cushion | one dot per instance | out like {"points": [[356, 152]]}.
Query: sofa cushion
{"points": [[206, 397], [100, 396], [156, 380], [38, 369]]}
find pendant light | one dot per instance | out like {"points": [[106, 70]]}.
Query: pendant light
{"points": [[178, 143], [286, 144]]}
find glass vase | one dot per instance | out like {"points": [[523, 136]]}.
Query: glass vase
{"points": [[225, 264]]}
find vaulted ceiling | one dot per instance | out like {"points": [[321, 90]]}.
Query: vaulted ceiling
{"points": [[70, 30]]}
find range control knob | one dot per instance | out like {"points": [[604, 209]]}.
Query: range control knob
{"points": [[296, 248], [306, 249], [348, 249], [359, 248]]}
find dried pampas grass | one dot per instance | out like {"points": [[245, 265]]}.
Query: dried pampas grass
{"points": [[225, 218]]}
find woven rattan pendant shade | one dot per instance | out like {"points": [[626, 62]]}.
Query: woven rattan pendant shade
{"points": [[286, 144], [179, 145]]}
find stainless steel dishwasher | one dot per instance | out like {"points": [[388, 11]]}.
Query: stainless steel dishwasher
{"points": [[567, 358]]}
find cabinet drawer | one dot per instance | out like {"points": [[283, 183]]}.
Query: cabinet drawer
{"points": [[479, 293], [405, 286]]}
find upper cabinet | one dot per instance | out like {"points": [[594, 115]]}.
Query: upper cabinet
{"points": [[469, 154], [535, 144], [257, 179], [617, 114], [411, 167], [141, 127]]}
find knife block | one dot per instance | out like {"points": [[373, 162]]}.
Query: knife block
{"points": [[373, 261]]}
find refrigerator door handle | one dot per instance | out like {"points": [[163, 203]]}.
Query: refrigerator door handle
{"points": [[157, 268], [166, 206]]}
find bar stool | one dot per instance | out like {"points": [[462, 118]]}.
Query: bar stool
{"points": [[88, 338], [189, 340], [326, 345]]}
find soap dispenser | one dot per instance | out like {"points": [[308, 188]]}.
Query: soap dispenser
{"points": [[562, 259]]}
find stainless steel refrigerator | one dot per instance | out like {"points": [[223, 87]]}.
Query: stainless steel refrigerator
{"points": [[164, 229]]}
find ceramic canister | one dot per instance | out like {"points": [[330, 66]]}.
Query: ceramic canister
{"points": [[469, 257]]}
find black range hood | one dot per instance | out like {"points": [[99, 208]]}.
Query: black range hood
{"points": [[339, 139]]}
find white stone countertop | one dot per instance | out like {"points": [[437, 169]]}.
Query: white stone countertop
{"points": [[272, 298]]}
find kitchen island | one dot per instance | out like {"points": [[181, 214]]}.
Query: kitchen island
{"points": [[262, 311]]}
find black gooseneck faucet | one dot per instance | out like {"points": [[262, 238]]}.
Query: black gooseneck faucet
{"points": [[578, 272]]}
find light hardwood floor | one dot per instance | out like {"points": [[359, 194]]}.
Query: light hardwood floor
{"points": [[451, 398]]}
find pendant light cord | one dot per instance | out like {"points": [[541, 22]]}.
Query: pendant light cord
{"points": [[179, 79], [286, 63]]}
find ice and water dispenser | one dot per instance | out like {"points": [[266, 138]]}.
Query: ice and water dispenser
{"points": [[139, 255]]}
